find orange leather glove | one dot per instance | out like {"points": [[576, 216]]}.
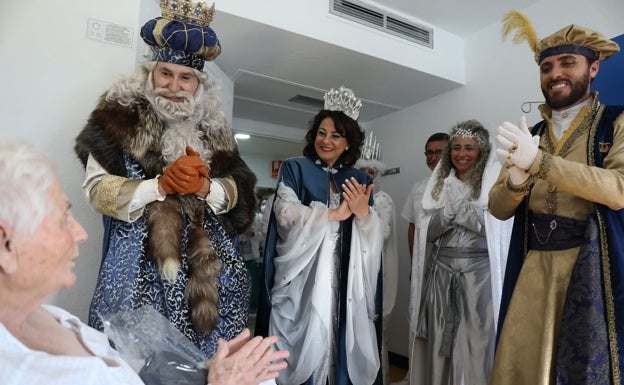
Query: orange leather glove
{"points": [[186, 175]]}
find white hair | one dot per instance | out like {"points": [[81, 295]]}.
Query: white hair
{"points": [[182, 117], [373, 164], [189, 110], [26, 173], [175, 139], [130, 89]]}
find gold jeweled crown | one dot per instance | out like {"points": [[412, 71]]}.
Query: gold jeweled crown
{"points": [[187, 11], [343, 99]]}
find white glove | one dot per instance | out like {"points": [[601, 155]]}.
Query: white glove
{"points": [[454, 195], [526, 146], [517, 175]]}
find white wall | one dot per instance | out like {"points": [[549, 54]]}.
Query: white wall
{"points": [[269, 130], [52, 78], [312, 18], [261, 166], [500, 77]]}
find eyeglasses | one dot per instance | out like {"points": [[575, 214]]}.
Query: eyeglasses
{"points": [[430, 153]]}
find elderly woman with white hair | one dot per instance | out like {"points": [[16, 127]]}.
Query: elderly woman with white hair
{"points": [[40, 343], [456, 289]]}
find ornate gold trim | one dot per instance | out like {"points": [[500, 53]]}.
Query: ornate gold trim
{"points": [[107, 193], [522, 188]]}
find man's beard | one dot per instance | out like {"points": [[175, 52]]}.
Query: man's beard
{"points": [[175, 139], [579, 90], [181, 120], [170, 111]]}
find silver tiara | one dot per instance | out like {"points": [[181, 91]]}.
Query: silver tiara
{"points": [[371, 149], [469, 134], [343, 99]]}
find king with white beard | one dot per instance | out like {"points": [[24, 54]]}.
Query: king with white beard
{"points": [[163, 169]]}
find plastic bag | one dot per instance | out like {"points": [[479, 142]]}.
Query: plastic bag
{"points": [[155, 349]]}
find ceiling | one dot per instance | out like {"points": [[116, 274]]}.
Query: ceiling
{"points": [[270, 65]]}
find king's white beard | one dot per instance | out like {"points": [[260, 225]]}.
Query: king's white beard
{"points": [[170, 111], [188, 109], [180, 120], [175, 139]]}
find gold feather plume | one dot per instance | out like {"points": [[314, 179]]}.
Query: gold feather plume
{"points": [[525, 31]]}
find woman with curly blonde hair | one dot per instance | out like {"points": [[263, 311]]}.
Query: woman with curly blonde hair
{"points": [[456, 286]]}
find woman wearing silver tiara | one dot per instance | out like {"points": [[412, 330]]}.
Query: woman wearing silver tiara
{"points": [[456, 289], [323, 255]]}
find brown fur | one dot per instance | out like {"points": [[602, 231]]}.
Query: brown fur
{"points": [[201, 291], [163, 219]]}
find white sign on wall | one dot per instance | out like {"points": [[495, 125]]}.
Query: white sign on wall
{"points": [[110, 33]]}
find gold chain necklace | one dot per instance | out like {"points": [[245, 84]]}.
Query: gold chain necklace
{"points": [[546, 238]]}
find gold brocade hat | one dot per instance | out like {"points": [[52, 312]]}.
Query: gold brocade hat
{"points": [[571, 39]]}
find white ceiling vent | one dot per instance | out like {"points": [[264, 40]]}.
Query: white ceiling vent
{"points": [[382, 20]]}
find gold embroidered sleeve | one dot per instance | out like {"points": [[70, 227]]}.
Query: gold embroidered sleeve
{"points": [[522, 188], [228, 185], [106, 194], [571, 173], [542, 164], [504, 198], [231, 191]]}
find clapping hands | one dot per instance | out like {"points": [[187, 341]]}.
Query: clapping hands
{"points": [[518, 147], [454, 195], [356, 197], [245, 361]]}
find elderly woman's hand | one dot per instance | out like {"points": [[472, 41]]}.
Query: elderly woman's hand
{"points": [[357, 196], [244, 361]]}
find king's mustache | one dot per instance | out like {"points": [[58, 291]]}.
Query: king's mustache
{"points": [[166, 93]]}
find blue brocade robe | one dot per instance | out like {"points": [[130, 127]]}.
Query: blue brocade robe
{"points": [[128, 279]]}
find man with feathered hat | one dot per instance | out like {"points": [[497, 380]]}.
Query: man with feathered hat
{"points": [[163, 169], [562, 311]]}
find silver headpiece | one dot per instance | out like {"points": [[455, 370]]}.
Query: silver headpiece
{"points": [[371, 156], [467, 133], [371, 149], [343, 99]]}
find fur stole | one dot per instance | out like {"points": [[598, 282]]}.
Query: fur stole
{"points": [[114, 129]]}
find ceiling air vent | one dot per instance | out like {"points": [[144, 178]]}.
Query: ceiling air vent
{"points": [[308, 101], [362, 13]]}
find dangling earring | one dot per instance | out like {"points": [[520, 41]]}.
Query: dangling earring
{"points": [[347, 149]]}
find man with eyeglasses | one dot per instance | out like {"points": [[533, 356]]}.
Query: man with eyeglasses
{"points": [[413, 205], [433, 152]]}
